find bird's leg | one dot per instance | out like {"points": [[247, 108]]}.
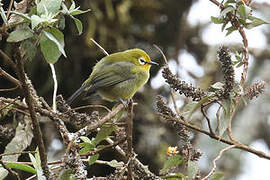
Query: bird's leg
{"points": [[125, 103]]}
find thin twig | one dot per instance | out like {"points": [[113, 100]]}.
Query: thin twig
{"points": [[129, 138], [9, 8], [13, 173], [55, 87], [214, 161], [10, 102], [86, 130], [118, 148], [19, 110], [9, 89], [14, 153], [207, 119], [218, 117], [104, 51], [7, 59], [31, 177], [10, 78]]}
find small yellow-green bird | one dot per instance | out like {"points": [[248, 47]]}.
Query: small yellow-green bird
{"points": [[117, 77]]}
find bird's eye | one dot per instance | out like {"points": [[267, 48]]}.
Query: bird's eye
{"points": [[141, 61]]}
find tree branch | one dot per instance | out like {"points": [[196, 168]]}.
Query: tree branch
{"points": [[10, 78], [214, 136], [8, 60], [86, 130], [36, 127], [129, 122]]}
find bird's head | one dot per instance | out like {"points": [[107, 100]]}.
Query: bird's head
{"points": [[140, 58]]}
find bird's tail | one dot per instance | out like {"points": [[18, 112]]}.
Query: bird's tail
{"points": [[79, 92]]}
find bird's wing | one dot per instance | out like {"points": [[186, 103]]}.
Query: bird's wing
{"points": [[110, 75]]}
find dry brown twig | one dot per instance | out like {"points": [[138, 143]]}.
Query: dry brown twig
{"points": [[10, 78], [215, 160]]}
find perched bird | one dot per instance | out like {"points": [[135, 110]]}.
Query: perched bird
{"points": [[117, 77]]}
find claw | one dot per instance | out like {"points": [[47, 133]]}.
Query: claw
{"points": [[125, 103]]}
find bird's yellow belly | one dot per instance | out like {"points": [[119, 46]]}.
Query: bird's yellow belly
{"points": [[124, 90]]}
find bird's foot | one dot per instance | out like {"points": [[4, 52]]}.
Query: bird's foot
{"points": [[125, 103]]}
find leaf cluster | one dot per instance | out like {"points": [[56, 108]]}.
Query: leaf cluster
{"points": [[234, 10], [42, 26]]}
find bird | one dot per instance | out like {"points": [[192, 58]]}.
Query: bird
{"points": [[117, 77]]}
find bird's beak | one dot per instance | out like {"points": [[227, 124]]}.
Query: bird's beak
{"points": [[152, 63]]}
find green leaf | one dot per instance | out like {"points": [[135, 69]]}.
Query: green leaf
{"points": [[104, 132], [216, 20], [57, 37], [78, 11], [171, 162], [49, 50], [43, 19], [93, 159], [78, 24], [20, 35], [229, 2], [238, 58], [33, 160], [225, 11], [192, 169], [35, 21], [243, 11], [51, 6], [230, 30], [85, 139], [52, 44], [61, 22], [28, 49], [72, 6], [67, 174], [224, 25], [190, 108], [217, 176], [37, 157], [226, 106], [177, 176], [3, 15], [255, 22], [85, 150], [217, 85], [19, 166], [22, 15], [239, 64], [64, 9], [37, 165], [116, 164]]}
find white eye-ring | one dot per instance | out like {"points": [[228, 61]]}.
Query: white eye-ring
{"points": [[142, 61]]}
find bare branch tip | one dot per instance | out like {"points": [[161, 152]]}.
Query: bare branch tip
{"points": [[163, 55]]}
